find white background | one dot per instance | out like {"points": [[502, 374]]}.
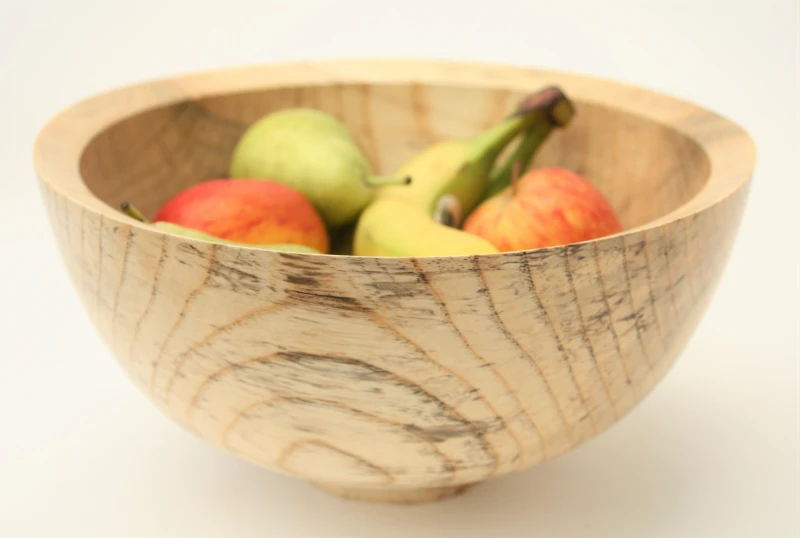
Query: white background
{"points": [[713, 452]]}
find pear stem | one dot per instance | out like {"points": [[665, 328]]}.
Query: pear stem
{"points": [[381, 181], [132, 212]]}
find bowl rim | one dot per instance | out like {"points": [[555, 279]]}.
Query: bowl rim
{"points": [[59, 145]]}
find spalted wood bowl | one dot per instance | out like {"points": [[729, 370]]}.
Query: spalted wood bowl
{"points": [[394, 379]]}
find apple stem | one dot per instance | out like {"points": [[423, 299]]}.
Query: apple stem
{"points": [[515, 173], [132, 212], [380, 181]]}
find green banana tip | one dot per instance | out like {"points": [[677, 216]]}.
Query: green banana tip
{"points": [[130, 210]]}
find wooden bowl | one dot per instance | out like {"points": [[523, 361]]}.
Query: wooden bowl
{"points": [[394, 379]]}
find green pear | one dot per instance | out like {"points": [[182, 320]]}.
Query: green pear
{"points": [[313, 152]]}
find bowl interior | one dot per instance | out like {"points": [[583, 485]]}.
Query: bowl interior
{"points": [[646, 169]]}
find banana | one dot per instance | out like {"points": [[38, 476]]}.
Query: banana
{"points": [[448, 180], [392, 227]]}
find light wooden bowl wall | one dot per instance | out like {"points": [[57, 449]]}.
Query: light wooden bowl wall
{"points": [[394, 379]]}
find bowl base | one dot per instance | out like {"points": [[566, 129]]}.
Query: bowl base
{"points": [[394, 495]]}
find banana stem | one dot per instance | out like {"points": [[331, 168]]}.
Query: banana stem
{"points": [[558, 107], [132, 212], [542, 112], [381, 181], [520, 160], [515, 173], [548, 106]]}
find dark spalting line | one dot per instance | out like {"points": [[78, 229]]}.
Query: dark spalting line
{"points": [[123, 275], [237, 280], [441, 434], [629, 285], [308, 429], [585, 336], [178, 321], [650, 288], [689, 266], [292, 261], [99, 282], [534, 292], [280, 462], [670, 278], [397, 290], [57, 227], [188, 248], [427, 437], [340, 302], [447, 411], [726, 217], [65, 229], [631, 329], [321, 273], [278, 383], [82, 227], [697, 239], [637, 248], [599, 318], [303, 280]]}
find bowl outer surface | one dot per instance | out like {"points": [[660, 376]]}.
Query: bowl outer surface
{"points": [[394, 372]]}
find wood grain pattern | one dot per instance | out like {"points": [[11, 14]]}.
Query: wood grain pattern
{"points": [[394, 379]]}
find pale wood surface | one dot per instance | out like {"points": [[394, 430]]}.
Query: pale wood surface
{"points": [[358, 372]]}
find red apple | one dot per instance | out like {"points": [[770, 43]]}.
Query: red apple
{"points": [[258, 212], [544, 207]]}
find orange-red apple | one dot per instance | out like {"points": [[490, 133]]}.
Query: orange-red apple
{"points": [[544, 207], [257, 212]]}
